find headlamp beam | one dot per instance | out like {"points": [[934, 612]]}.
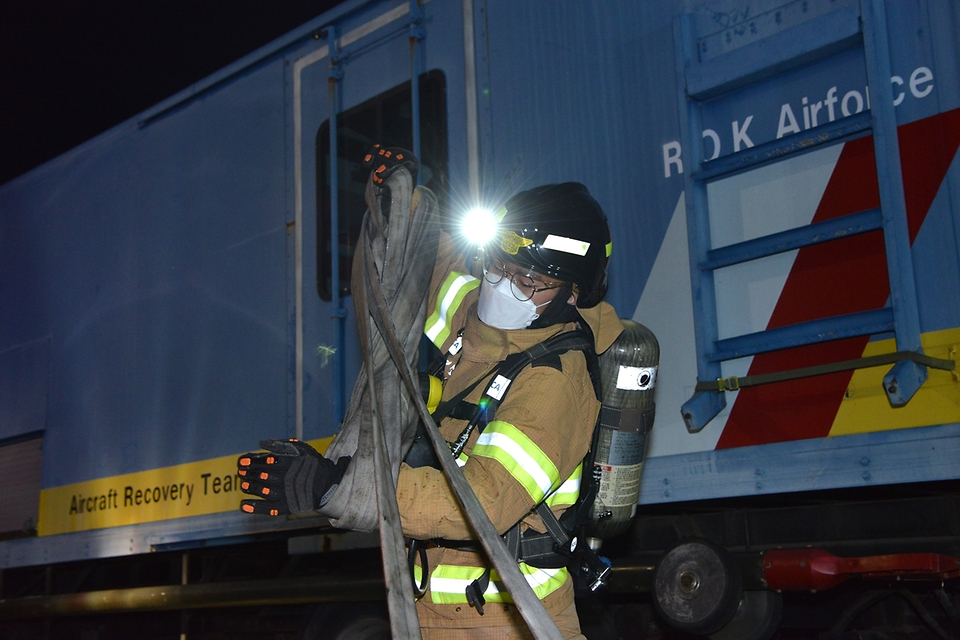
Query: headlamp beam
{"points": [[479, 226]]}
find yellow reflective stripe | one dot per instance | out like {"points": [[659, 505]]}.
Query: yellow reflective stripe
{"points": [[448, 583], [520, 456], [454, 288], [567, 493]]}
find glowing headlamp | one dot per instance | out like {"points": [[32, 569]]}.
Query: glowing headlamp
{"points": [[479, 226]]}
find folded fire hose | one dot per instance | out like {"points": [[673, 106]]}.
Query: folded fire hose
{"points": [[390, 284]]}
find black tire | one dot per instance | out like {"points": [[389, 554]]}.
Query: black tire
{"points": [[756, 618], [696, 587], [365, 628], [349, 621]]}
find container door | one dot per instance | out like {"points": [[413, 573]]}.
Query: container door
{"points": [[352, 91]]}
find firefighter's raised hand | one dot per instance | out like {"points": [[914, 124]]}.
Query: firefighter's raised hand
{"points": [[383, 161], [291, 477]]}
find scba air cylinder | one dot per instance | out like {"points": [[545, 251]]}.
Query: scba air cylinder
{"points": [[628, 371]]}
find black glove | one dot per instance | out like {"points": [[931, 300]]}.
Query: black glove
{"points": [[291, 478]]}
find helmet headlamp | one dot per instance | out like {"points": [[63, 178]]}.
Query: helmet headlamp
{"points": [[479, 226]]}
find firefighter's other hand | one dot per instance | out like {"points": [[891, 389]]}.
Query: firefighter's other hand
{"points": [[291, 477], [384, 161]]}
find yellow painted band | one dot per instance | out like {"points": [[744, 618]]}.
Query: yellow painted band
{"points": [[192, 489], [865, 407]]}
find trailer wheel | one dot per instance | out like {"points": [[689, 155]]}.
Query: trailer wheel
{"points": [[696, 587], [366, 628], [349, 621], [756, 618]]}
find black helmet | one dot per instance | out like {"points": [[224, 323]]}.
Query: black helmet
{"points": [[560, 231]]}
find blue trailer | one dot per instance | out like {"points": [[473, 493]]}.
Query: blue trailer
{"points": [[782, 187]]}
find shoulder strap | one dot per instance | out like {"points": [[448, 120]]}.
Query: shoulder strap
{"points": [[421, 453], [507, 370], [504, 373]]}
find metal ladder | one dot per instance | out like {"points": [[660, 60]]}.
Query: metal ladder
{"points": [[849, 27]]}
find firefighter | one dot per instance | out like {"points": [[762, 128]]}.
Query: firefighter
{"points": [[544, 275]]}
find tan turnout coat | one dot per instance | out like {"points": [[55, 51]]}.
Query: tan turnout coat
{"points": [[533, 449]]}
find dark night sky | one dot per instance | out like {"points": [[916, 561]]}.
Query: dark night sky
{"points": [[70, 69]]}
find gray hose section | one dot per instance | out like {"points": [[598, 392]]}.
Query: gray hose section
{"points": [[400, 270], [404, 622], [382, 306], [391, 281], [541, 625]]}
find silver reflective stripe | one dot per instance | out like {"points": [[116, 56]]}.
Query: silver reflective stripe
{"points": [[452, 292], [520, 456], [448, 583], [568, 492]]}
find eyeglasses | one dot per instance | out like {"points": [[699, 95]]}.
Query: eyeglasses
{"points": [[522, 286]]}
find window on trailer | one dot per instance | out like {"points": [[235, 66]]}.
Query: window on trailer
{"points": [[385, 119], [20, 467]]}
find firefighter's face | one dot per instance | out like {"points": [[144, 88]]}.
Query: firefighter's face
{"points": [[525, 284]]}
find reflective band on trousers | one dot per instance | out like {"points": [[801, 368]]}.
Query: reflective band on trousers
{"points": [[448, 583], [520, 456], [454, 288]]}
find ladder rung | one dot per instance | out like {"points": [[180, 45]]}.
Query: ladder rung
{"points": [[813, 40], [795, 143], [775, 243], [803, 333]]}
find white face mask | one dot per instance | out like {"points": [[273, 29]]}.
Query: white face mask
{"points": [[499, 308]]}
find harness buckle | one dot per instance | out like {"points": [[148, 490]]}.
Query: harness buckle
{"points": [[728, 384], [475, 591]]}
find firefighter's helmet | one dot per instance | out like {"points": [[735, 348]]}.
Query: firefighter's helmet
{"points": [[560, 231]]}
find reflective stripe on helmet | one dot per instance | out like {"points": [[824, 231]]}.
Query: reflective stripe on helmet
{"points": [[520, 456], [566, 245], [448, 583], [455, 287]]}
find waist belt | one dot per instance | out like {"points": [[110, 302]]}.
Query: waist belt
{"points": [[533, 548]]}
